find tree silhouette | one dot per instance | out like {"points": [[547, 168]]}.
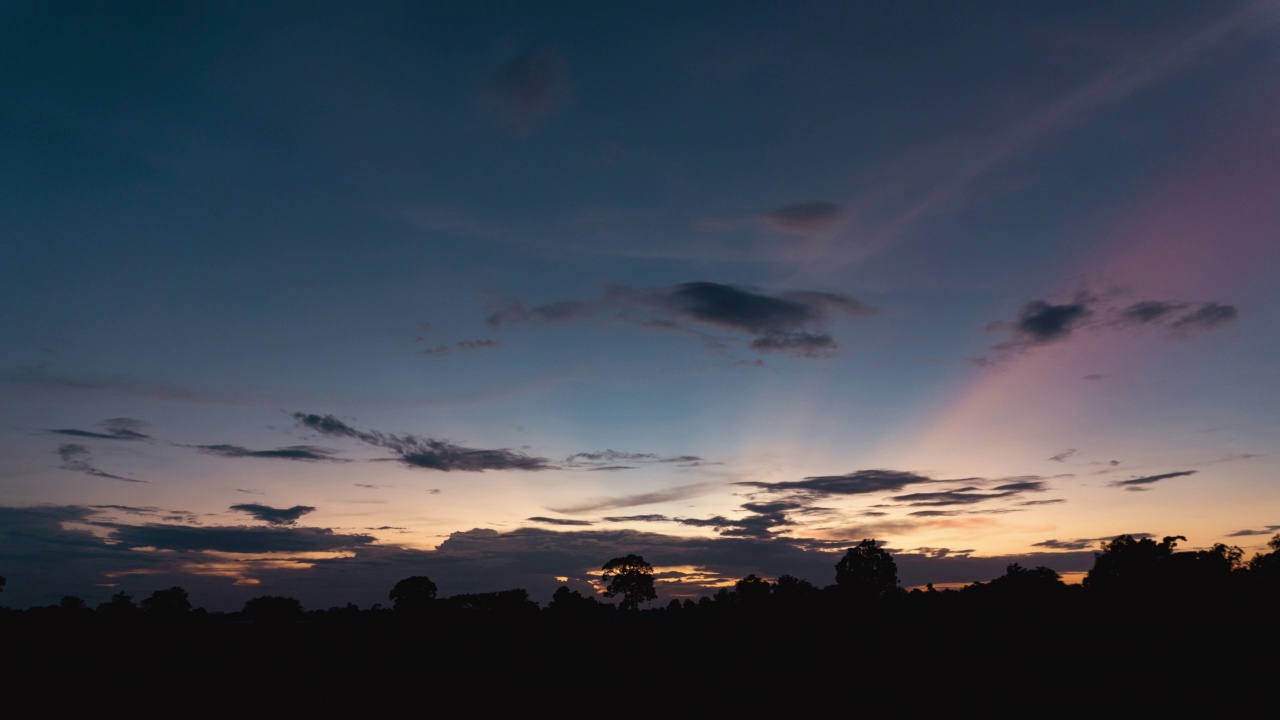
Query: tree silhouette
{"points": [[1262, 563], [752, 591], [413, 594], [571, 603], [1128, 564], [632, 578], [167, 604], [118, 607], [867, 571], [272, 610]]}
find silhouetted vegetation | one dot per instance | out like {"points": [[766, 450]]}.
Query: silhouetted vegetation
{"points": [[1143, 600]]}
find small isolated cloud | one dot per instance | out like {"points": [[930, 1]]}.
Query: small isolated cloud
{"points": [[605, 460], [306, 453], [426, 453], [1041, 322], [1062, 456], [530, 90], [808, 218], [638, 518], [274, 516], [477, 344], [558, 521], [77, 458], [460, 346], [1268, 530], [1137, 483], [112, 429], [791, 322]]}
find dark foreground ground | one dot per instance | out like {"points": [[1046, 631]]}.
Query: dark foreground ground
{"points": [[1050, 660]]}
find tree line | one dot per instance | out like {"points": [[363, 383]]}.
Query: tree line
{"points": [[1127, 572]]}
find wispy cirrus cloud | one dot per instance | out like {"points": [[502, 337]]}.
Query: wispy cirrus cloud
{"points": [[612, 503], [78, 458], [306, 453], [427, 453], [806, 218], [1136, 484], [113, 429], [559, 521], [1268, 530], [604, 460]]}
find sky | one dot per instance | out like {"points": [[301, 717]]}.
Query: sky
{"points": [[304, 300]]}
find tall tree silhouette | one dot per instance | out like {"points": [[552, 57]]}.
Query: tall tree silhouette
{"points": [[1129, 565], [413, 594], [867, 571], [632, 578], [171, 604]]}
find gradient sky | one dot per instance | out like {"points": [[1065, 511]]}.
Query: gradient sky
{"points": [[306, 299]]}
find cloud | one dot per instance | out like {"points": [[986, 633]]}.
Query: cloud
{"points": [[274, 516], [1208, 315], [1062, 456], [649, 498], [638, 518], [308, 453], [860, 482], [1081, 543], [953, 513], [791, 322], [613, 460], [1135, 483], [1022, 485], [760, 523], [558, 521], [47, 554], [963, 496], [529, 90], [1041, 322], [1268, 530], [236, 539], [1148, 311], [477, 344], [808, 345], [113, 429], [970, 495], [462, 346], [809, 218], [427, 453], [76, 457]]}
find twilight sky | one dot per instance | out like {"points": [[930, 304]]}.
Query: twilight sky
{"points": [[306, 300]]}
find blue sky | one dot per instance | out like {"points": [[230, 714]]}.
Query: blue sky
{"points": [[307, 300]]}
